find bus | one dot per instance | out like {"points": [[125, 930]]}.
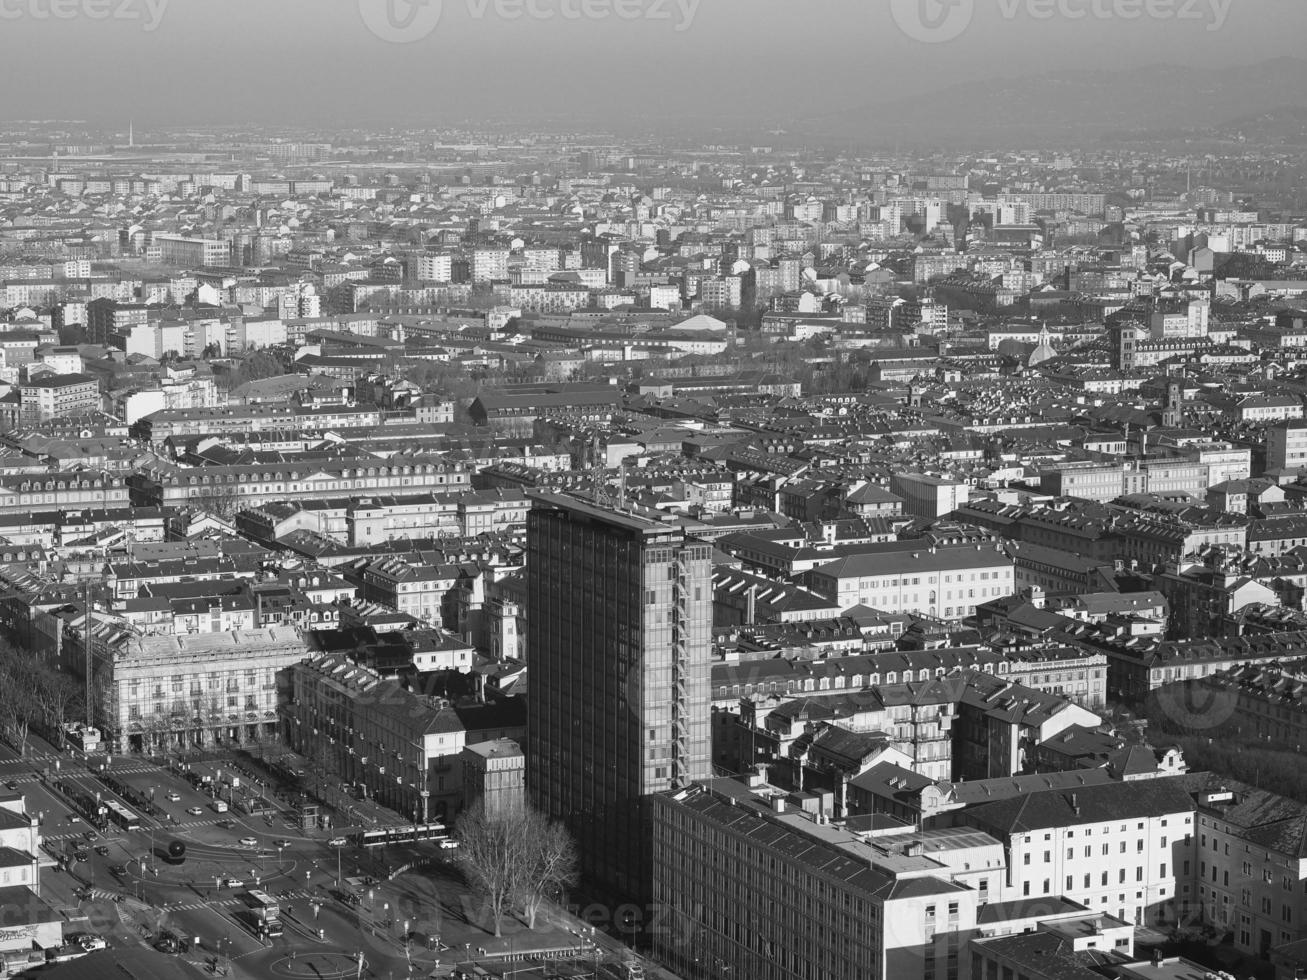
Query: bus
{"points": [[121, 815], [414, 834], [265, 911]]}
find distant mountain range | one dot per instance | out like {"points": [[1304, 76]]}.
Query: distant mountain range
{"points": [[1077, 106]]}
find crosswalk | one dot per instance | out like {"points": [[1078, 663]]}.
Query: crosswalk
{"points": [[102, 895]]}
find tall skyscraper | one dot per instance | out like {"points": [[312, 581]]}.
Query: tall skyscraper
{"points": [[619, 616]]}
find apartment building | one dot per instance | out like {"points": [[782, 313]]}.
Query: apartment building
{"points": [[390, 744], [201, 252], [928, 496], [415, 590], [1126, 849], [431, 267], [489, 264], [1286, 446], [749, 884], [1249, 863], [721, 294], [189, 691], [1266, 701], [549, 297], [54, 396], [171, 485], [1135, 669], [967, 725], [23, 493], [942, 582]]}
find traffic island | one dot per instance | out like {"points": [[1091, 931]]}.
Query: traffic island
{"points": [[318, 965]]}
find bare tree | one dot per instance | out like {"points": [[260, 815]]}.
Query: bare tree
{"points": [[550, 865], [56, 698], [19, 678], [491, 853]]}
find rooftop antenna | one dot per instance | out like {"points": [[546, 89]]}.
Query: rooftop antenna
{"points": [[598, 473]]}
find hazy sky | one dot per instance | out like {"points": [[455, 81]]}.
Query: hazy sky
{"points": [[278, 61]]}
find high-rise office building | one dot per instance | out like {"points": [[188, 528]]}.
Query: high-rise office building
{"points": [[619, 615]]}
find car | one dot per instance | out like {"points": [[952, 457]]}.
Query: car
{"points": [[118, 871], [233, 883], [174, 796], [227, 824], [11, 784], [167, 945], [91, 943], [337, 842], [249, 842], [448, 845], [281, 842], [194, 811], [101, 850]]}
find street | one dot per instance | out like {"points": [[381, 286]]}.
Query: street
{"points": [[335, 903]]}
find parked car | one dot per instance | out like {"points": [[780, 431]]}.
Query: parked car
{"points": [[91, 943]]}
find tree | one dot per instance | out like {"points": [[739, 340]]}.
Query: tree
{"points": [[219, 499], [516, 859], [57, 697], [257, 365], [550, 867], [22, 680], [492, 854], [19, 671]]}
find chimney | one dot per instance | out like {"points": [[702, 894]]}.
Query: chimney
{"points": [[778, 804]]}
